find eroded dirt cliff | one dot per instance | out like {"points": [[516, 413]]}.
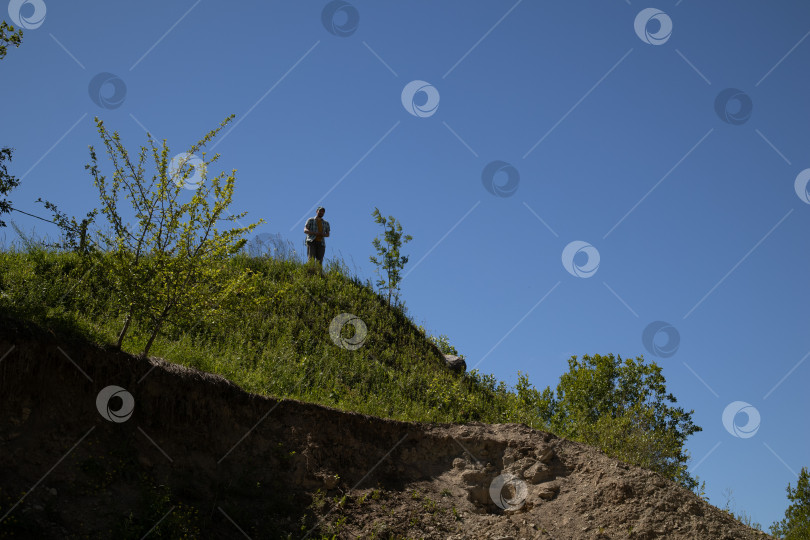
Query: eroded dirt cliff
{"points": [[198, 457]]}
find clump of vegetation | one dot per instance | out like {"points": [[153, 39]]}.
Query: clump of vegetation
{"points": [[442, 343], [7, 181], [9, 36], [742, 516], [160, 515], [796, 523], [620, 406], [167, 266]]}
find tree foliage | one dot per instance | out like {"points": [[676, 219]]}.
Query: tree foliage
{"points": [[442, 342], [169, 266], [9, 36], [796, 523], [391, 262], [7, 182], [622, 407]]}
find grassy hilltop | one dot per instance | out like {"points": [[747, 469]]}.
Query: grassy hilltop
{"points": [[277, 341]]}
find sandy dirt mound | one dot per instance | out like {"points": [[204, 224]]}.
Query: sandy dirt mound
{"points": [[201, 458]]}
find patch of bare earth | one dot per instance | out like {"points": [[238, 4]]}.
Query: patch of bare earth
{"points": [[203, 458]]}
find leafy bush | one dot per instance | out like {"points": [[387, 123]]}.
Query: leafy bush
{"points": [[796, 523], [621, 407]]}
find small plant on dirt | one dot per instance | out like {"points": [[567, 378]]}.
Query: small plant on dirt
{"points": [[174, 519], [700, 491], [318, 500], [742, 517], [339, 523], [429, 504]]}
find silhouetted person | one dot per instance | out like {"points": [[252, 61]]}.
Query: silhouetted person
{"points": [[316, 230]]}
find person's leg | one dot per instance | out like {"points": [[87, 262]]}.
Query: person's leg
{"points": [[311, 251], [321, 251]]}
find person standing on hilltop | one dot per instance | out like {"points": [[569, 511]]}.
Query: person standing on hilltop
{"points": [[316, 230]]}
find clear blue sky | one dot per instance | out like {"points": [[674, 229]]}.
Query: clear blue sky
{"points": [[611, 131]]}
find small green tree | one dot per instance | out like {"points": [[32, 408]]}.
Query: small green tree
{"points": [[168, 267], [796, 524], [623, 408], [7, 182], [390, 263]]}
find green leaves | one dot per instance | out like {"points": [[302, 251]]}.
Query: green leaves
{"points": [[623, 408], [13, 37], [391, 262], [796, 524], [169, 267], [8, 36], [7, 181]]}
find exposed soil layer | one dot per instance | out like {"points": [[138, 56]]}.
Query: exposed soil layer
{"points": [[199, 457]]}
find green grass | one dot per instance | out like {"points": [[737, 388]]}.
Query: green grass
{"points": [[277, 342]]}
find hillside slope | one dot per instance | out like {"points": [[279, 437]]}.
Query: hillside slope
{"points": [[276, 341], [200, 458]]}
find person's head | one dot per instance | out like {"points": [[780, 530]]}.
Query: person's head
{"points": [[320, 212]]}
